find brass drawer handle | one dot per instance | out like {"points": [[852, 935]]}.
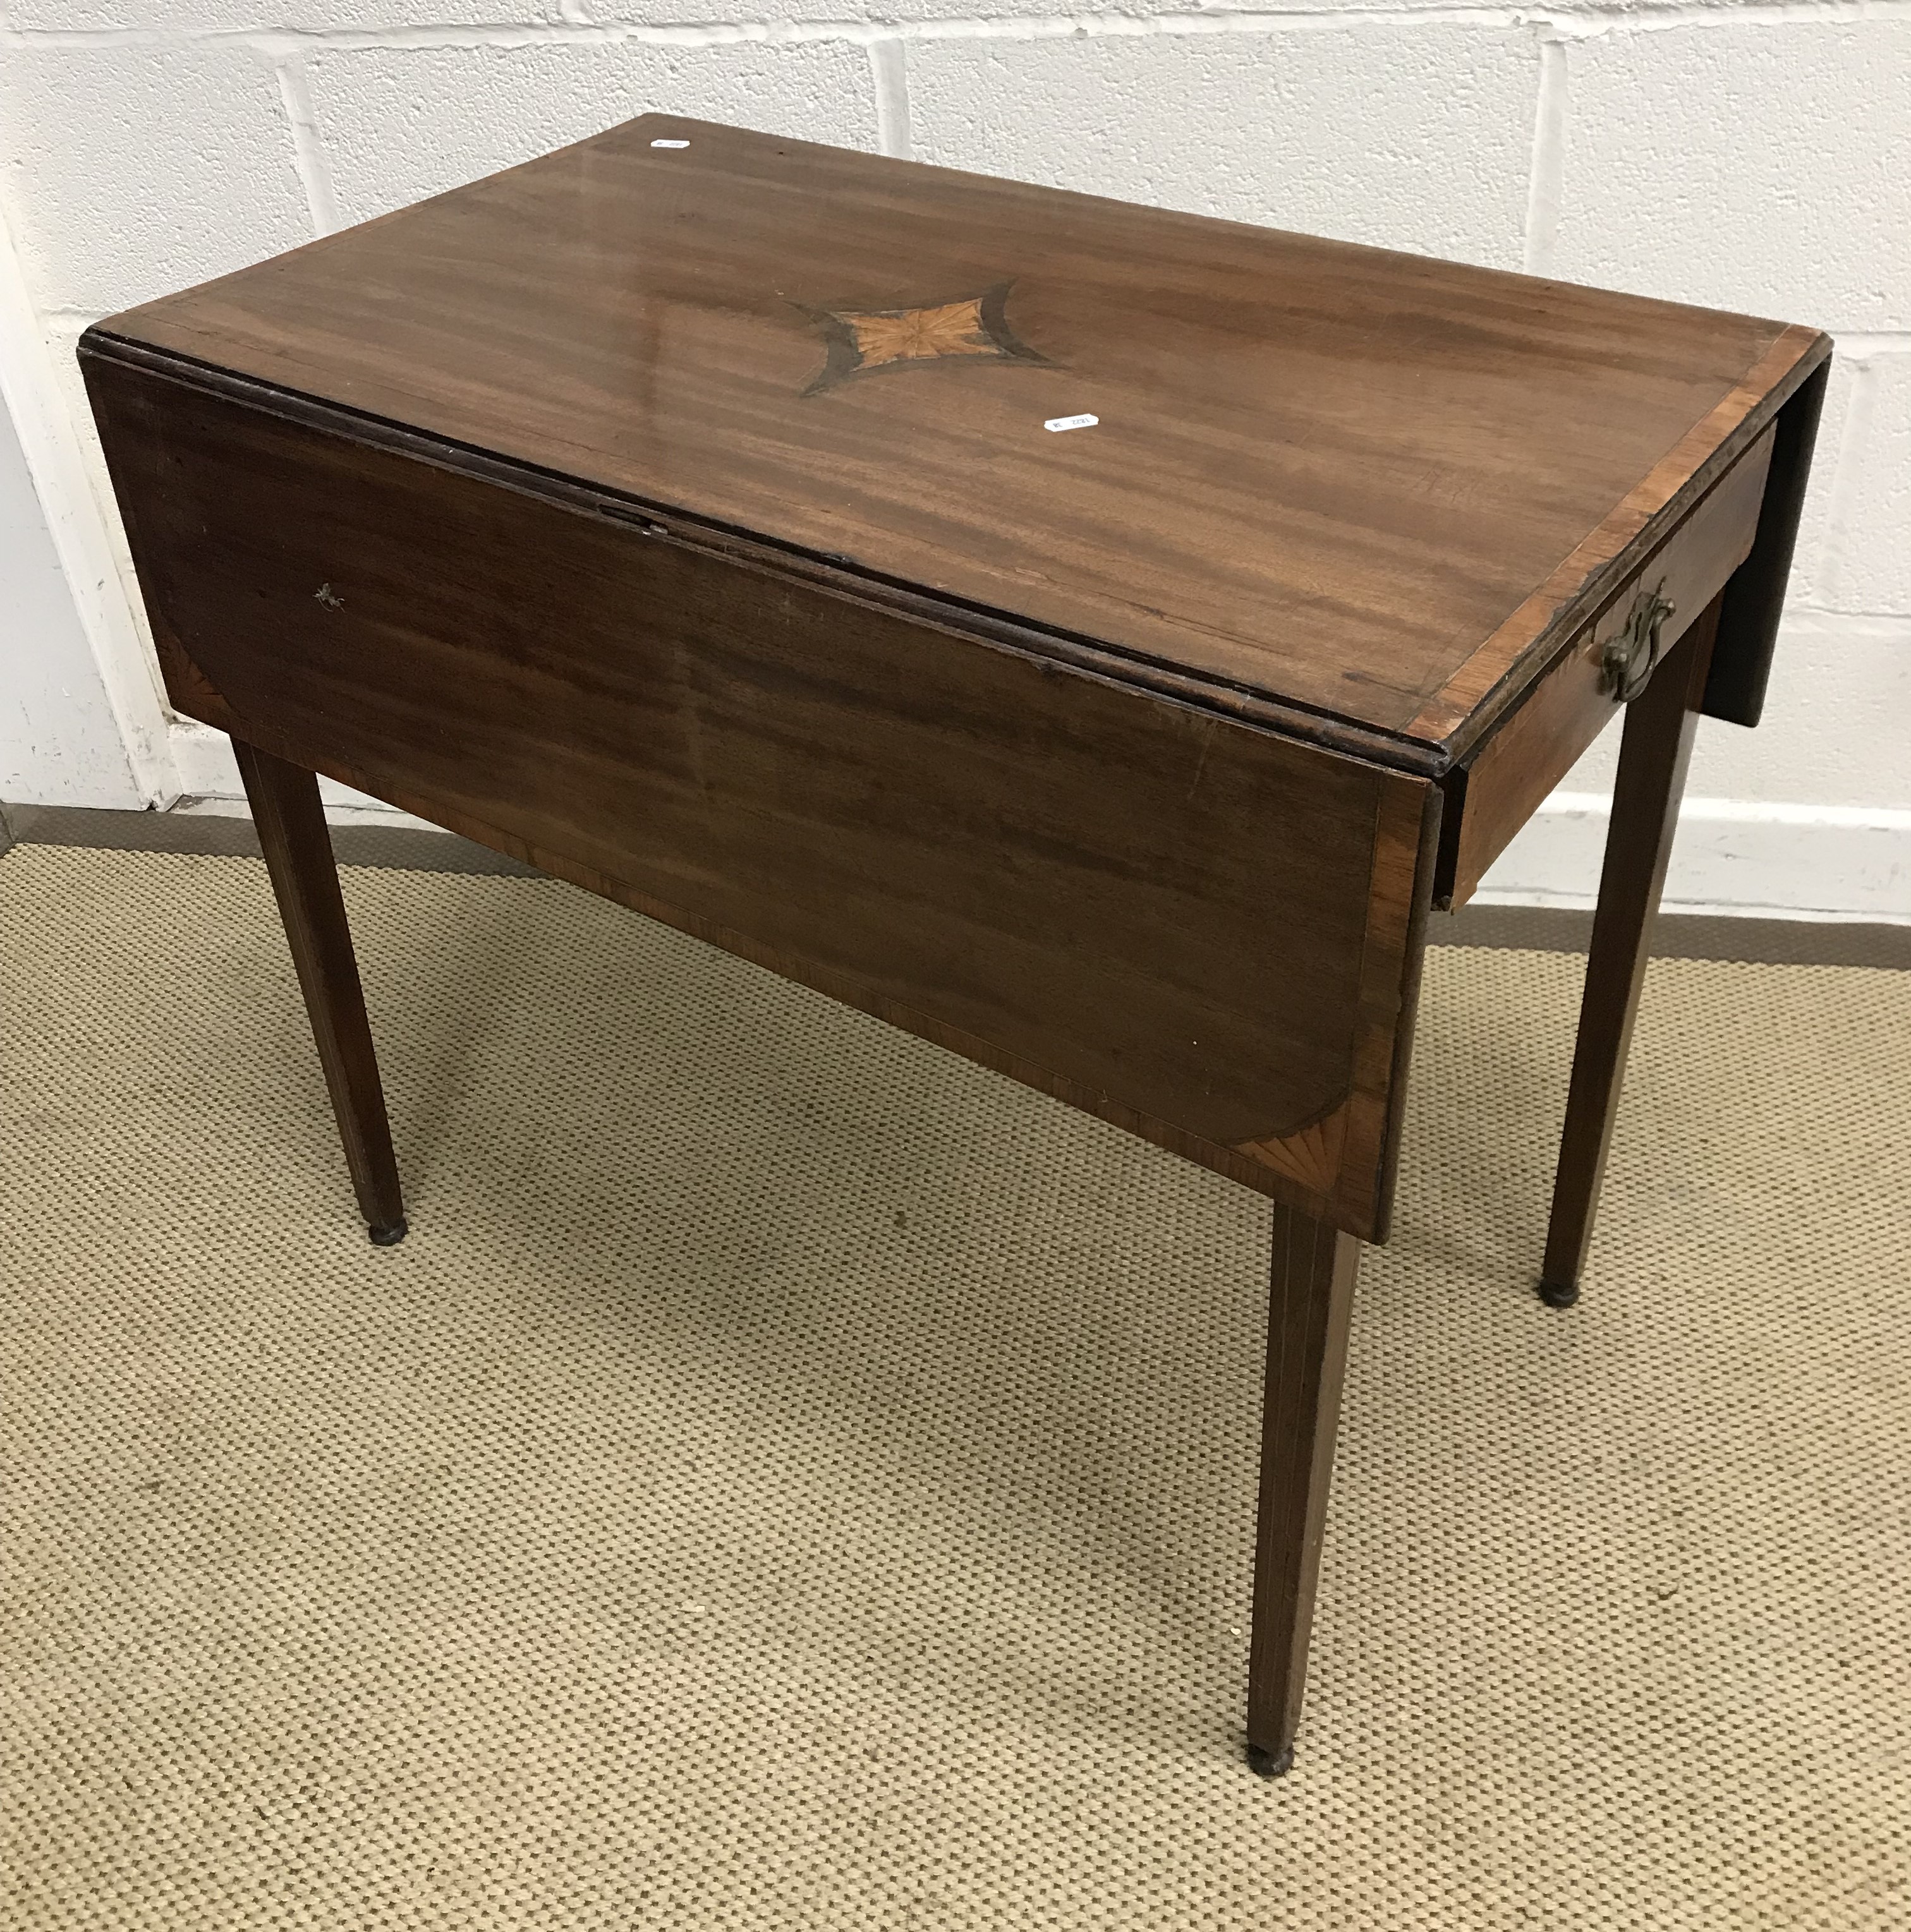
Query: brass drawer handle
{"points": [[1627, 664]]}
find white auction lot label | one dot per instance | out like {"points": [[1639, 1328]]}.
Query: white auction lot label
{"points": [[1072, 422], [670, 144]]}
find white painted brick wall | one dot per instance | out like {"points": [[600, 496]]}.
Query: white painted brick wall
{"points": [[304, 16], [60, 742], [1413, 137], [1864, 561], [417, 121], [1746, 153], [1764, 167], [132, 170]]}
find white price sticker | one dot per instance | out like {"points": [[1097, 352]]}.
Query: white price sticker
{"points": [[1072, 422], [670, 144]]}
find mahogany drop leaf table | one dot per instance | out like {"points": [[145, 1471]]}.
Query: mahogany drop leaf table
{"points": [[1089, 637]]}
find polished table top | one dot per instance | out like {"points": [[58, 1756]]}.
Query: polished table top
{"points": [[1365, 493]]}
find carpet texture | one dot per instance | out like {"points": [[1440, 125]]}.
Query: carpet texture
{"points": [[791, 1477]]}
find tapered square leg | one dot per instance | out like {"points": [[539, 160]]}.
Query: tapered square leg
{"points": [[1310, 1306], [1660, 724], [297, 848]]}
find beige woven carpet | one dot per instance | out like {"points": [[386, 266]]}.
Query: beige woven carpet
{"points": [[791, 1477]]}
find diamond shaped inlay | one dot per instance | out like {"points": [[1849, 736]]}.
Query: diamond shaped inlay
{"points": [[861, 341]]}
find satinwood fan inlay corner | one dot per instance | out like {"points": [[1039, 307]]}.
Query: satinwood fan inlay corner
{"points": [[1311, 1155], [861, 341]]}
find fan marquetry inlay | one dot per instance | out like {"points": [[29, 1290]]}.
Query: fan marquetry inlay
{"points": [[1311, 1157]]}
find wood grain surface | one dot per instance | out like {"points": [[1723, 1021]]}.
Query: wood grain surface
{"points": [[1536, 746], [1371, 487], [1754, 602], [297, 846], [1192, 927], [1660, 726], [1309, 1315]]}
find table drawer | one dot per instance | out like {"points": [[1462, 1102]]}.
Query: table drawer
{"points": [[1538, 744]]}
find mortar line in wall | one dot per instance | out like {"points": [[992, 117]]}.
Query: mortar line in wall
{"points": [[308, 151], [1696, 808], [1824, 621], [890, 80], [1545, 177], [1572, 20], [1854, 344]]}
